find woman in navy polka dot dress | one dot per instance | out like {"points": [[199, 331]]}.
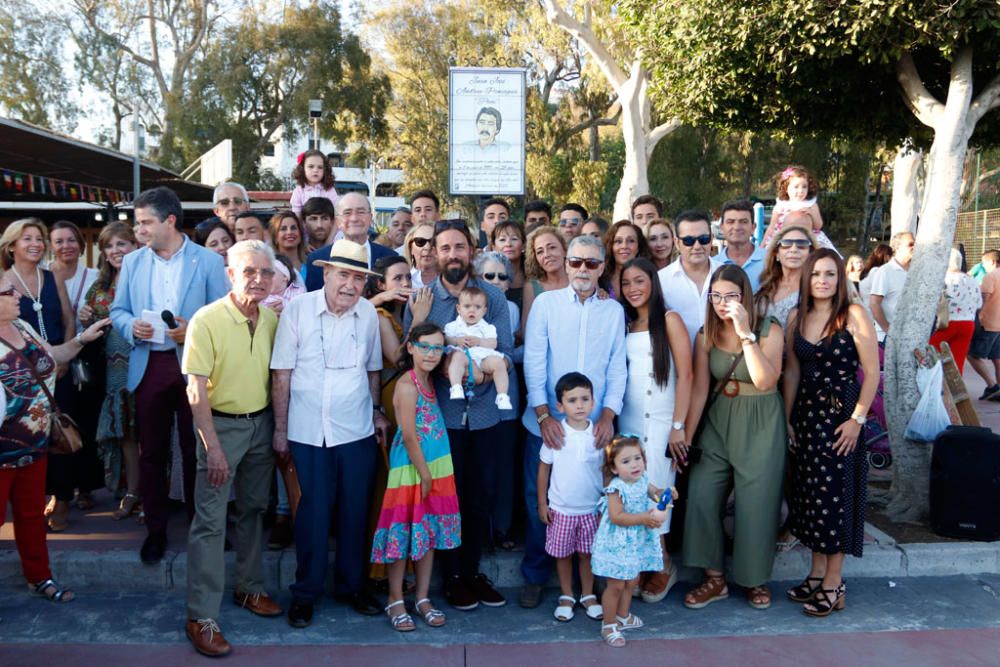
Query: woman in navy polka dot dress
{"points": [[826, 407]]}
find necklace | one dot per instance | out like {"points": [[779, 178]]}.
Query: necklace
{"points": [[36, 302], [429, 395]]}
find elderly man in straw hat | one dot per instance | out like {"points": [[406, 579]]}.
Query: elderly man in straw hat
{"points": [[327, 415]]}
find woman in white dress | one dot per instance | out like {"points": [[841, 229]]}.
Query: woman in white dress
{"points": [[656, 393]]}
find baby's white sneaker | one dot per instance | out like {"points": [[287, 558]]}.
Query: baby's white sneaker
{"points": [[503, 402], [456, 392]]}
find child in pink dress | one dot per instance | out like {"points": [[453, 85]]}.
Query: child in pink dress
{"points": [[314, 175], [797, 190]]}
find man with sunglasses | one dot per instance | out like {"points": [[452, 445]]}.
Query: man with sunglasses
{"points": [[571, 219], [568, 330], [228, 201], [474, 425], [736, 224], [685, 280]]}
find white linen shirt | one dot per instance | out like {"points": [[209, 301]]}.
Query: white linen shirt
{"points": [[888, 284], [330, 402], [165, 289], [680, 294]]}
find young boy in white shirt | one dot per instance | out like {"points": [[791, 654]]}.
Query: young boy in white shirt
{"points": [[570, 484]]}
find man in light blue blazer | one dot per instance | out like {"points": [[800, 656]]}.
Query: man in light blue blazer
{"points": [[171, 274]]}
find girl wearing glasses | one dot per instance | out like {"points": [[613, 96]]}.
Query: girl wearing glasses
{"points": [[420, 508], [737, 363], [779, 281]]}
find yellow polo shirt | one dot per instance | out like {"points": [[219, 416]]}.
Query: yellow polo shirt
{"points": [[219, 345]]}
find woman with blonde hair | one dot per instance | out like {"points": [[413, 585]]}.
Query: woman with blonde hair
{"points": [[418, 249], [544, 267], [661, 240]]}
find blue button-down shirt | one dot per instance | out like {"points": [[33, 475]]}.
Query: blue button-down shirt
{"points": [[482, 409], [564, 335], [754, 265]]}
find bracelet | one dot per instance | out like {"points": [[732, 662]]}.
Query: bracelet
{"points": [[79, 340]]}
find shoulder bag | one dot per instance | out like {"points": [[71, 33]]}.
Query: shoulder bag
{"points": [[694, 451]]}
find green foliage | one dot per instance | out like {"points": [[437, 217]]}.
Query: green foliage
{"points": [[588, 182]]}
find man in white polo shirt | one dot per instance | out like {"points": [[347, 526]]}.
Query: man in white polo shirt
{"points": [[326, 393], [887, 285], [685, 280]]}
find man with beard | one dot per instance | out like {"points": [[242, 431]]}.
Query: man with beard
{"points": [[474, 426], [566, 328]]}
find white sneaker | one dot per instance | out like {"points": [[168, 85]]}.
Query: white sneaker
{"points": [[456, 392], [503, 402]]}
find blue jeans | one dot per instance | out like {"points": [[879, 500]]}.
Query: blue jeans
{"points": [[536, 567]]}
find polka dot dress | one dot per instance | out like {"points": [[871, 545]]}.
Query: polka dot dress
{"points": [[827, 491]]}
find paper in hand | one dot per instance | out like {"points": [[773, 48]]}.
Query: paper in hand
{"points": [[159, 328]]}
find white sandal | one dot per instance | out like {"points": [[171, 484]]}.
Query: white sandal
{"points": [[562, 612], [432, 617], [595, 612], [614, 639], [400, 622], [630, 622]]}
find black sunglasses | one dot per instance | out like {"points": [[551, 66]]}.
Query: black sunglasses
{"points": [[491, 276], [689, 241], [420, 241], [798, 243], [576, 262]]}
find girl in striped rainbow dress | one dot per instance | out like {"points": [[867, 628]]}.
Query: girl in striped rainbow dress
{"points": [[420, 508]]}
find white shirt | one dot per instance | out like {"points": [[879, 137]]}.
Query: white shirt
{"points": [[681, 294], [165, 289], [888, 283], [330, 402], [481, 329], [576, 482]]}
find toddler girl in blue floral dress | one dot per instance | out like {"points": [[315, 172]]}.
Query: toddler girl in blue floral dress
{"points": [[626, 543]]}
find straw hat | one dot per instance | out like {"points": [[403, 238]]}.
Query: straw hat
{"points": [[347, 255]]}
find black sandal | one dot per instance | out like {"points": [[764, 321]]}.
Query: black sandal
{"points": [[824, 604], [52, 591], [805, 592]]}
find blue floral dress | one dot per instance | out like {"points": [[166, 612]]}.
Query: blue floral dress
{"points": [[622, 552]]}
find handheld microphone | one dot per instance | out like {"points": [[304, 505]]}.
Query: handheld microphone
{"points": [[168, 319]]}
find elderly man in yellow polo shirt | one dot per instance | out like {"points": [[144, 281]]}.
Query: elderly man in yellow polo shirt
{"points": [[227, 357]]}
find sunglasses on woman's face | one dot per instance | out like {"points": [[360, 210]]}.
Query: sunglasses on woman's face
{"points": [[429, 349], [689, 241], [797, 243], [491, 276], [577, 262], [420, 241]]}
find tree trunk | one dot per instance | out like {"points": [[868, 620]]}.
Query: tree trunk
{"points": [[635, 181], [906, 189]]}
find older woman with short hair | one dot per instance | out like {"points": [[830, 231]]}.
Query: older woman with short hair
{"points": [[418, 249]]}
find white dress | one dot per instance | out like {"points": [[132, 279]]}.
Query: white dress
{"points": [[648, 411]]}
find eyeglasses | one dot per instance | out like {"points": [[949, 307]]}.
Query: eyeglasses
{"points": [[429, 349], [420, 241], [715, 297], [577, 262], [797, 243], [494, 276], [689, 241], [249, 272], [445, 225], [231, 200], [570, 222]]}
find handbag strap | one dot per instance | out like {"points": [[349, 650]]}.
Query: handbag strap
{"points": [[34, 371], [79, 289], [721, 383]]}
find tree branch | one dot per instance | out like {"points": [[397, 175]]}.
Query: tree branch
{"points": [[988, 99], [660, 131], [918, 99], [596, 121], [558, 16]]}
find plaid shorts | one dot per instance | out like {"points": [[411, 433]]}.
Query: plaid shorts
{"points": [[567, 535]]}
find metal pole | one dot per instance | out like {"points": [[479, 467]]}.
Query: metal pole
{"points": [[979, 162], [135, 161], [316, 133]]}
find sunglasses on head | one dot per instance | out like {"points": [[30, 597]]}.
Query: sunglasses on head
{"points": [[577, 262], [427, 348], [689, 241], [420, 241], [798, 243], [492, 276], [231, 200]]}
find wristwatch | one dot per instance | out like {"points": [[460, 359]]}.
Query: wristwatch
{"points": [[678, 426], [379, 408], [860, 419], [749, 338], [542, 417]]}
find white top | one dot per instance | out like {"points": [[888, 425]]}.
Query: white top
{"points": [[681, 294], [576, 482], [888, 283], [481, 329], [964, 296], [165, 289], [77, 287], [330, 358]]}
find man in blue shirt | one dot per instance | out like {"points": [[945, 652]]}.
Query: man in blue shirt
{"points": [[736, 224], [568, 329]]}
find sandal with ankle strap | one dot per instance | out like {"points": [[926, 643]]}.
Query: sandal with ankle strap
{"points": [[127, 507], [564, 613], [435, 618], [630, 622], [52, 591], [826, 601], [711, 590], [805, 591], [400, 622], [595, 611], [614, 639]]}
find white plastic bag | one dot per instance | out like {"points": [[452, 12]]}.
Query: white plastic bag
{"points": [[930, 417]]}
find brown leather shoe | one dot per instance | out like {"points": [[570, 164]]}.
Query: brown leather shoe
{"points": [[206, 638], [261, 603]]}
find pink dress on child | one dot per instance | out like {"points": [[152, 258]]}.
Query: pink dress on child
{"points": [[782, 207]]}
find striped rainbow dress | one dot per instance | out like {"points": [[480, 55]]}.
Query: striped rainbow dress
{"points": [[408, 526]]}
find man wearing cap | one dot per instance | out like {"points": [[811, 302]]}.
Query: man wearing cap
{"points": [[327, 415], [227, 359]]}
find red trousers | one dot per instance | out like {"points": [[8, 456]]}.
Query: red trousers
{"points": [[24, 488], [958, 335]]}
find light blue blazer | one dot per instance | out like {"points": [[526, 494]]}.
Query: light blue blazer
{"points": [[203, 281]]}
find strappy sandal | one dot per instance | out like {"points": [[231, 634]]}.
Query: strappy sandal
{"points": [[435, 618], [659, 584], [805, 591], [759, 597], [52, 591], [824, 604], [630, 622], [594, 611], [564, 613], [614, 639], [127, 507], [711, 590], [400, 622]]}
